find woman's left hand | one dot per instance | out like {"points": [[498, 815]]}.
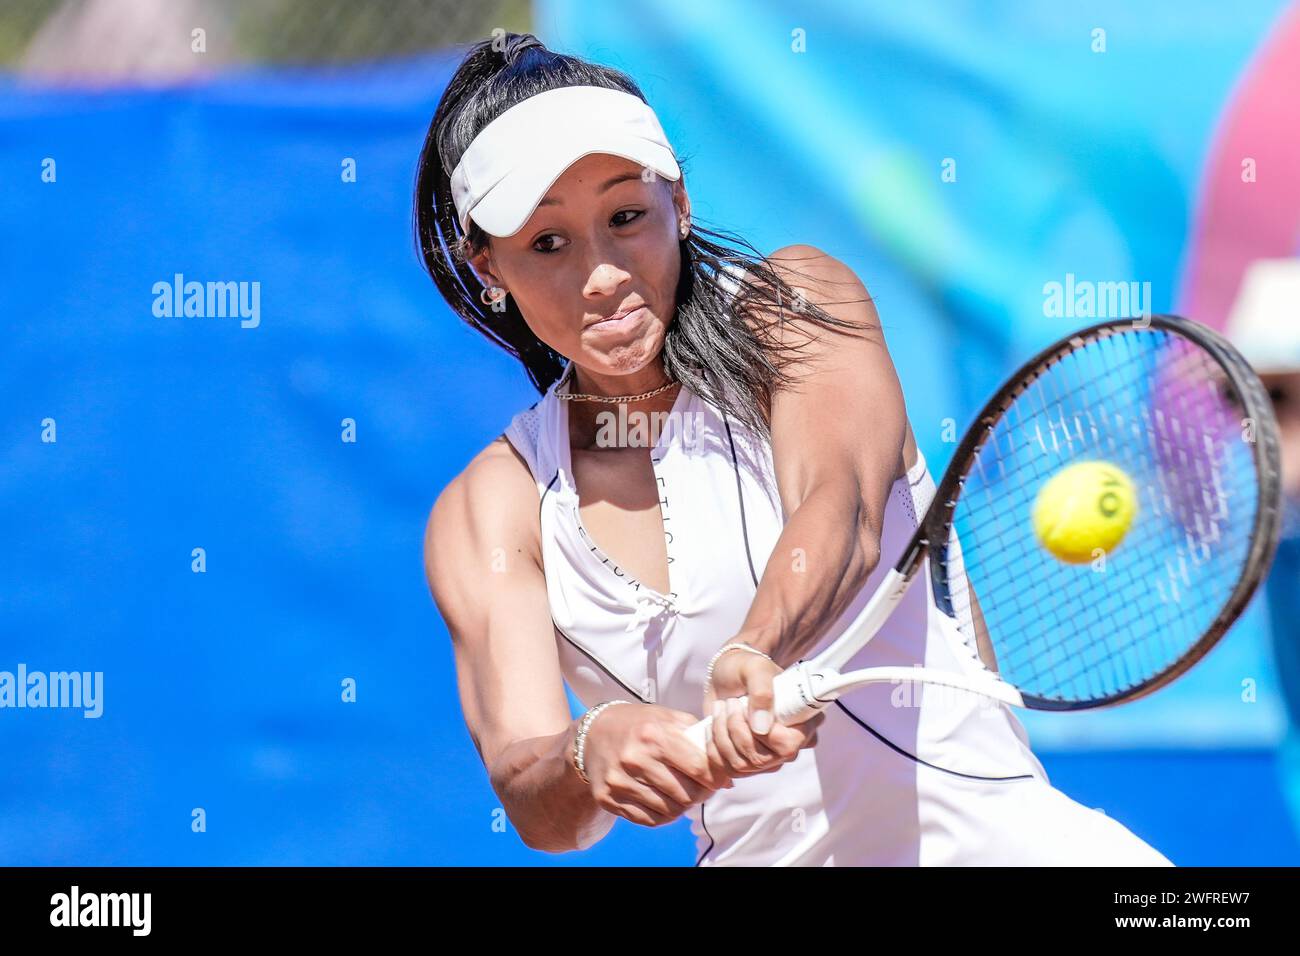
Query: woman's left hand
{"points": [[744, 741]]}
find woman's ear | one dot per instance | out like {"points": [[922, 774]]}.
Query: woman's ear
{"points": [[681, 201], [482, 265]]}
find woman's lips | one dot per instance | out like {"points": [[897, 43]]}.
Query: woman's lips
{"points": [[621, 324]]}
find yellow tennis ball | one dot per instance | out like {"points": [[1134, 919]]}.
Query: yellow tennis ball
{"points": [[1089, 505]]}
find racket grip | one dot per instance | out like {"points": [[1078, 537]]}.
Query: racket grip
{"points": [[791, 697]]}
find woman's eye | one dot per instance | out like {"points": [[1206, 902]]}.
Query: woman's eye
{"points": [[635, 214], [549, 235]]}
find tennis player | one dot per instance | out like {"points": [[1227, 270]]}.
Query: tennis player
{"points": [[666, 570]]}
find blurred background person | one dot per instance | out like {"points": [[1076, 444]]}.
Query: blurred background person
{"points": [[1265, 327]]}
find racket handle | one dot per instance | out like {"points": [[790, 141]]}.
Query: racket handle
{"points": [[792, 702]]}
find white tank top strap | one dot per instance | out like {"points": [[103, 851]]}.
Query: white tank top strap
{"points": [[531, 433], [522, 434]]}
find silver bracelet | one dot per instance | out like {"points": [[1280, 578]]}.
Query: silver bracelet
{"points": [[580, 741], [708, 673]]}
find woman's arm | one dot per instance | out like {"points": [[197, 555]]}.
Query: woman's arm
{"points": [[837, 447], [483, 563], [484, 570]]}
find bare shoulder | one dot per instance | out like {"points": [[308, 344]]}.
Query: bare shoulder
{"points": [[492, 503], [813, 266], [817, 277], [805, 260], [822, 278]]}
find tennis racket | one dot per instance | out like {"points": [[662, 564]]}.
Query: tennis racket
{"points": [[1168, 404]]}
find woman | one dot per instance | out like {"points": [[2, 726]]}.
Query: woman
{"points": [[680, 570]]}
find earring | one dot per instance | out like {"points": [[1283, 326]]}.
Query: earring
{"points": [[492, 295], [686, 228]]}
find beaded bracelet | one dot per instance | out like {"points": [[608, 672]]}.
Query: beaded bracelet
{"points": [[708, 673], [580, 741]]}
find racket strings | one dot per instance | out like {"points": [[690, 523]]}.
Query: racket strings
{"points": [[1161, 409], [1123, 624], [1138, 640]]}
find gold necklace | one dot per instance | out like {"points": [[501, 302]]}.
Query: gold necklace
{"points": [[608, 399]]}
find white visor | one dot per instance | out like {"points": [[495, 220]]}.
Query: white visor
{"points": [[517, 157]]}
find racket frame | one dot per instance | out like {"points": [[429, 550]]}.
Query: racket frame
{"points": [[1255, 404]]}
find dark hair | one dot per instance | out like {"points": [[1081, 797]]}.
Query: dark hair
{"points": [[735, 365]]}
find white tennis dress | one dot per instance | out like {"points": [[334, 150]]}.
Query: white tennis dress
{"points": [[900, 775]]}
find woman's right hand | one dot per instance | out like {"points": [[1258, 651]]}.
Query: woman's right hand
{"points": [[643, 767], [735, 739]]}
